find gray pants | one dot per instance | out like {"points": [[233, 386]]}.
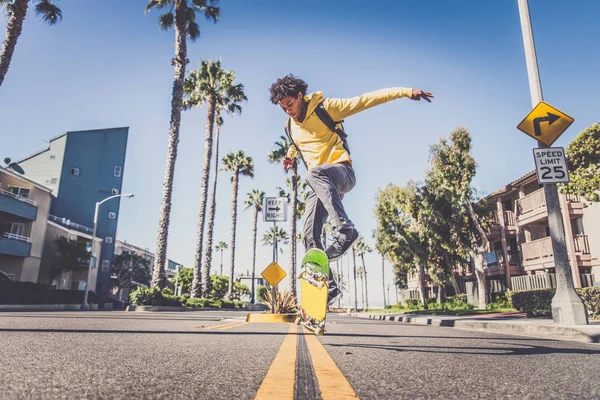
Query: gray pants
{"points": [[329, 183]]}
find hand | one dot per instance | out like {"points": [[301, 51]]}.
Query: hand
{"points": [[287, 163], [419, 94]]}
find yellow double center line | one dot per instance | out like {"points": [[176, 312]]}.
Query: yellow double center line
{"points": [[279, 381], [223, 327]]}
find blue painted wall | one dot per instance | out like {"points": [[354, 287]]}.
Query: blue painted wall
{"points": [[17, 207], [95, 153]]}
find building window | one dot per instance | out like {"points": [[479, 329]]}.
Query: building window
{"points": [[117, 171], [105, 265], [108, 240], [75, 171], [115, 191], [19, 191], [53, 181], [112, 215], [52, 157]]}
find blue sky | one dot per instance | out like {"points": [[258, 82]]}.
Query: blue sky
{"points": [[107, 64]]}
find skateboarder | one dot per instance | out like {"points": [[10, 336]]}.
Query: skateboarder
{"points": [[315, 130]]}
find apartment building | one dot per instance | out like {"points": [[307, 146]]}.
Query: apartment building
{"points": [[24, 206], [82, 168]]}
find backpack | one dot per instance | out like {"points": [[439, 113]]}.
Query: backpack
{"points": [[328, 121]]}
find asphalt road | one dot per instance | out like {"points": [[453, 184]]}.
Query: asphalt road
{"points": [[215, 355]]}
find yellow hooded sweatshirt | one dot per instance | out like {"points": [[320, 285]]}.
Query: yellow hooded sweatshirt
{"points": [[317, 143]]}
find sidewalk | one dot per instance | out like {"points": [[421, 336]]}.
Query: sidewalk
{"points": [[508, 323]]}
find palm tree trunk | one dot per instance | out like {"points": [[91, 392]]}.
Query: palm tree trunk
{"points": [[293, 228], [235, 182], [203, 276], [211, 216], [13, 31], [355, 288], [383, 278], [362, 256], [179, 62], [362, 292], [254, 233]]}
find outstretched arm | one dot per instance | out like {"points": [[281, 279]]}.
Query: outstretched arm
{"points": [[343, 108]]}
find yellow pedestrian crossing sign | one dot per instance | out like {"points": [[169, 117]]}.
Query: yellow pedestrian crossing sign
{"points": [[273, 274], [545, 123]]}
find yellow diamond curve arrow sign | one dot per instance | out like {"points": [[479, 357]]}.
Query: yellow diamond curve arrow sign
{"points": [[545, 123], [273, 274]]}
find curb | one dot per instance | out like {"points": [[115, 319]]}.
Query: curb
{"points": [[174, 308], [41, 307], [279, 318], [559, 332]]}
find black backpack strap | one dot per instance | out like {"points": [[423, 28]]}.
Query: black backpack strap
{"points": [[288, 132], [332, 125]]}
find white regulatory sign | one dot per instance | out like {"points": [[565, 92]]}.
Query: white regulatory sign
{"points": [[275, 209], [551, 165]]}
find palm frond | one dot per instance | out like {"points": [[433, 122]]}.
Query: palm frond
{"points": [[165, 21], [193, 30], [48, 12]]}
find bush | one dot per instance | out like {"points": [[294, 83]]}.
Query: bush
{"points": [[198, 302], [413, 304], [591, 299], [239, 304], [500, 301], [183, 299], [227, 304], [536, 303], [216, 303], [142, 296], [167, 292], [240, 290], [261, 292], [458, 302], [220, 285]]}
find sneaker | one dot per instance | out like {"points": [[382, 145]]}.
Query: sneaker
{"points": [[341, 245], [333, 296]]}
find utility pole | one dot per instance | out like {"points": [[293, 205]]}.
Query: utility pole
{"points": [[567, 307]]}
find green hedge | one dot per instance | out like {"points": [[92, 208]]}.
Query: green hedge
{"points": [[154, 297], [538, 303]]}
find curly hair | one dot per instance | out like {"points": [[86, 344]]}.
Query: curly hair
{"points": [[289, 85]]}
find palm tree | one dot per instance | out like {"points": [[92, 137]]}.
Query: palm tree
{"points": [[255, 199], [276, 235], [181, 16], [363, 248], [220, 247], [16, 10], [208, 85], [230, 103], [275, 156], [239, 164]]}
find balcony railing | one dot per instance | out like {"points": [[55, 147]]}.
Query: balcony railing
{"points": [[509, 219], [69, 223], [542, 248], [582, 244], [14, 236], [531, 202], [573, 198], [17, 197]]}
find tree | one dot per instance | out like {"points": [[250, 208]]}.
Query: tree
{"points": [[220, 247], [466, 219], [230, 102], [209, 84], [71, 254], [584, 164], [16, 10], [130, 267], [182, 17], [276, 156], [239, 164], [363, 248], [255, 200], [275, 233], [184, 279], [401, 234]]}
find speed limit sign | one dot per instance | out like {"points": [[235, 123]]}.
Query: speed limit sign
{"points": [[551, 165]]}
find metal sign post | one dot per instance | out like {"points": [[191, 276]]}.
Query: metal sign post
{"points": [[567, 307], [274, 210]]}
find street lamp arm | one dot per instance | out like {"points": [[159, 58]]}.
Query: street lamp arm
{"points": [[129, 195]]}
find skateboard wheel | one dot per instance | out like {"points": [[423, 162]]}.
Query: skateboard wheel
{"points": [[318, 331], [297, 321], [320, 284]]}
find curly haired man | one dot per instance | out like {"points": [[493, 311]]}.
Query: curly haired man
{"points": [[315, 130]]}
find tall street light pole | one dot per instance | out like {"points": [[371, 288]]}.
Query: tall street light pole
{"points": [[567, 307], [85, 306]]}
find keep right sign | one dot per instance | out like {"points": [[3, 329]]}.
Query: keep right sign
{"points": [[551, 165]]}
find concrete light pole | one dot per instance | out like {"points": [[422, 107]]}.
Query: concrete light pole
{"points": [[85, 306], [567, 307]]}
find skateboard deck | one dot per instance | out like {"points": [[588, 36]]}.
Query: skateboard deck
{"points": [[314, 273]]}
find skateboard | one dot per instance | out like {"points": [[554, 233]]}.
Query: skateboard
{"points": [[314, 274]]}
